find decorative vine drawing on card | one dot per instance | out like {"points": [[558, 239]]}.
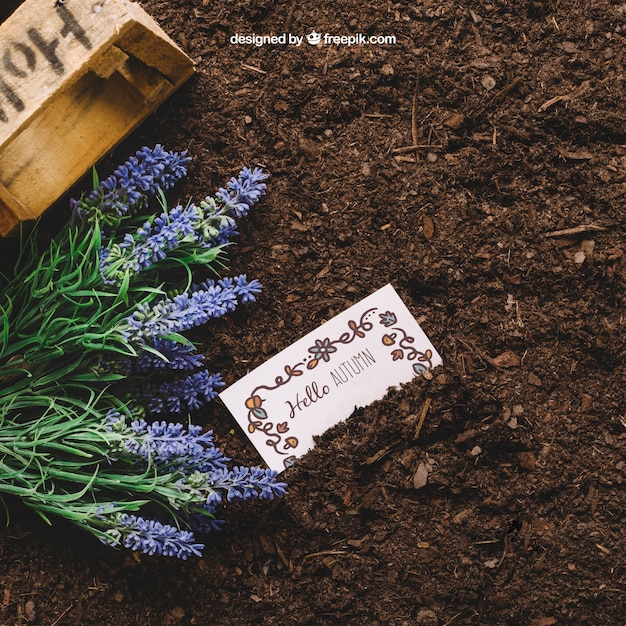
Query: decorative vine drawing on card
{"points": [[277, 434], [402, 344], [320, 352]]}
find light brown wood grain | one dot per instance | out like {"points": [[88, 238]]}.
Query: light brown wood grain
{"points": [[74, 81]]}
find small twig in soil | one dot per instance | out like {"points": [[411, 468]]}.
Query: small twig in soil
{"points": [[324, 553], [414, 127], [283, 557], [548, 103], [576, 230], [483, 356], [499, 95], [420, 423], [454, 618], [405, 149], [377, 456], [584, 86], [58, 619], [393, 141], [325, 66], [253, 69], [287, 24], [457, 85]]}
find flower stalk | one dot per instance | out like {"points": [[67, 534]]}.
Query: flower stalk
{"points": [[93, 349]]}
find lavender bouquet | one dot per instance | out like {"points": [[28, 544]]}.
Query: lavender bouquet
{"points": [[94, 360]]}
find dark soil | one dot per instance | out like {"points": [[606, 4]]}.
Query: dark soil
{"points": [[519, 112]]}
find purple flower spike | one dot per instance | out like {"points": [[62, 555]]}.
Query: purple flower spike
{"points": [[189, 394], [239, 483], [186, 229], [242, 192], [177, 356], [180, 447], [192, 308], [150, 244], [151, 537], [132, 183]]}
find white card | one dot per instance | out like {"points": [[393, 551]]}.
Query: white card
{"points": [[348, 362]]}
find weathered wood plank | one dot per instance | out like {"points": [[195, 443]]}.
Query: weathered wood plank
{"points": [[75, 79]]}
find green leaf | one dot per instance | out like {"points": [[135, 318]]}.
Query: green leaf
{"points": [[95, 180], [179, 339]]}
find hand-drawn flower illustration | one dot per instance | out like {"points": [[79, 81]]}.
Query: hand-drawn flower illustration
{"points": [[259, 413], [254, 402], [388, 318], [389, 340], [354, 327], [293, 371], [426, 356], [322, 349], [397, 354]]}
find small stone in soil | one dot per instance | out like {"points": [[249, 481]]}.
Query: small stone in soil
{"points": [[420, 478], [29, 611], [426, 617], [488, 82], [178, 613]]}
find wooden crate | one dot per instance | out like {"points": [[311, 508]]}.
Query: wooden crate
{"points": [[76, 76]]}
